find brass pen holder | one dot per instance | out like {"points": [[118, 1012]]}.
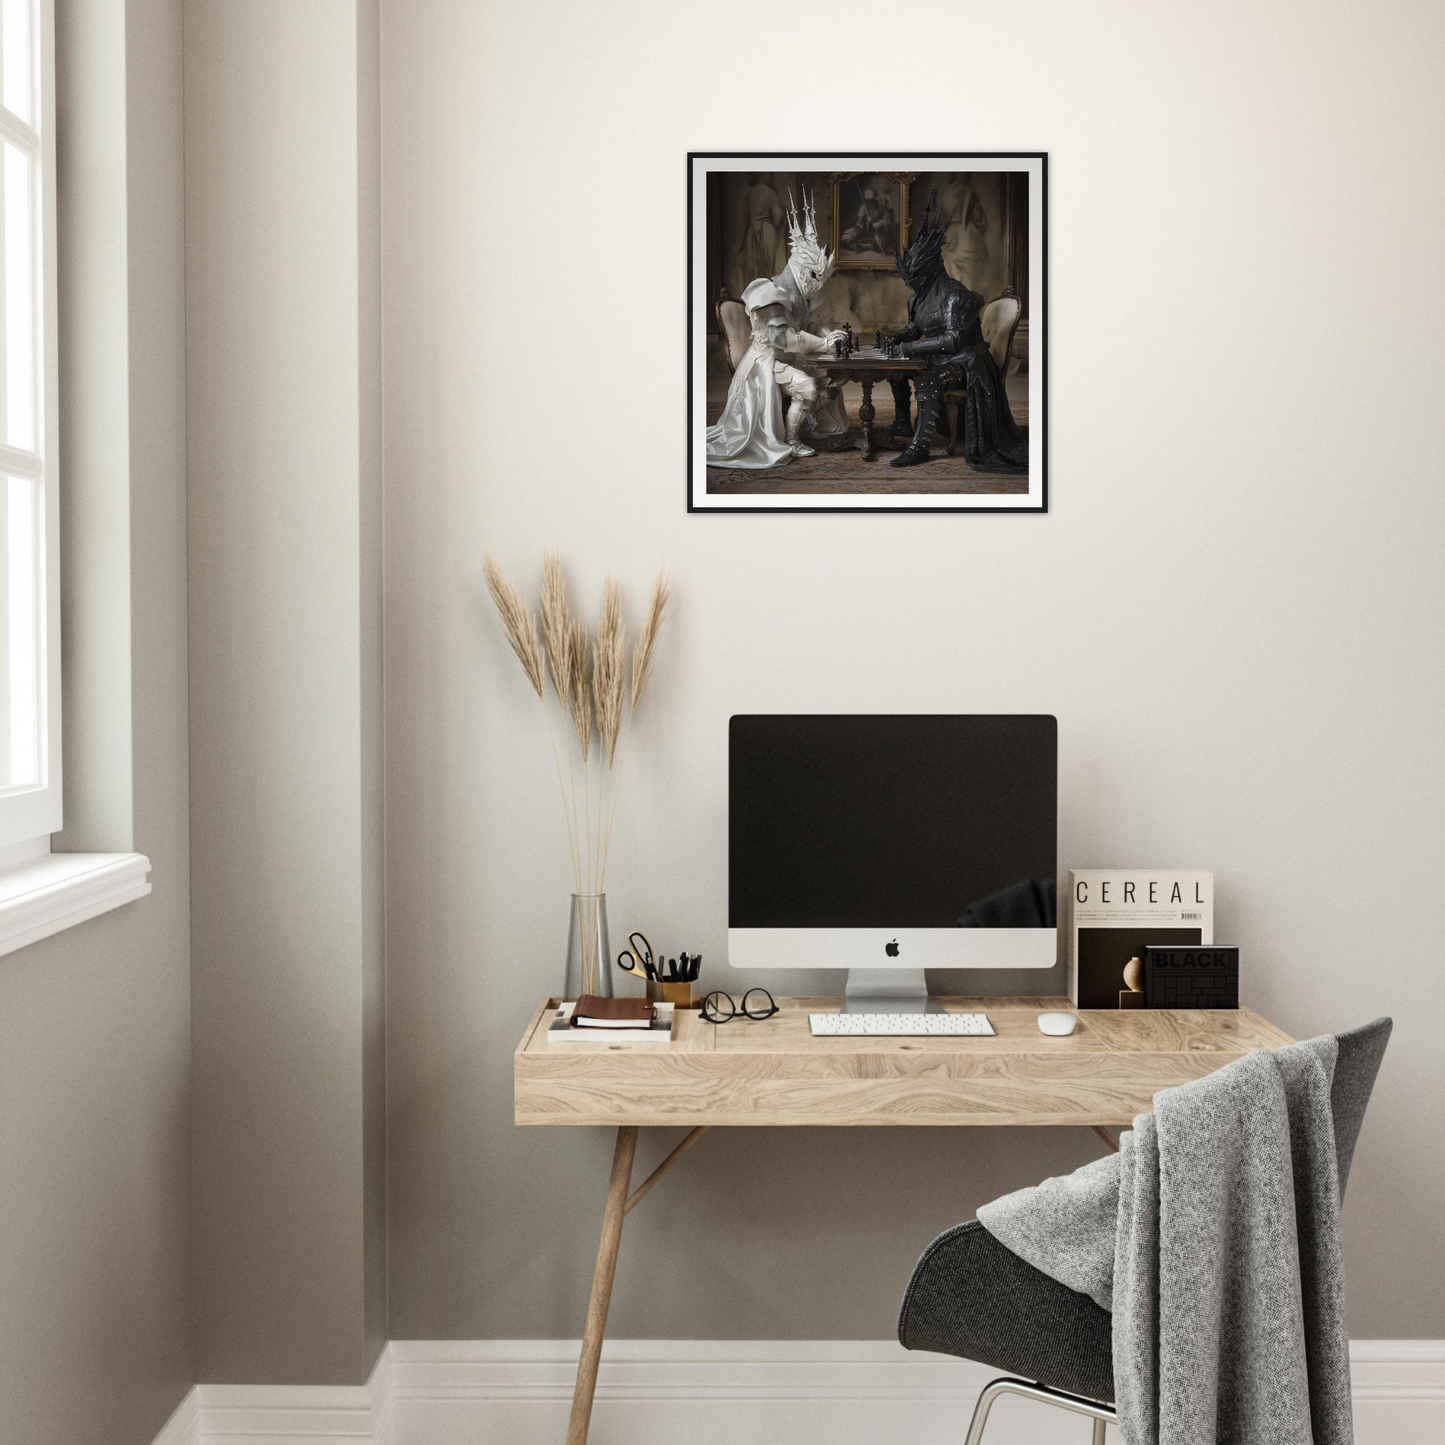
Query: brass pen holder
{"points": [[679, 994]]}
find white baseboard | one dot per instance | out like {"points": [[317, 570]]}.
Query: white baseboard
{"points": [[714, 1392], [184, 1427], [288, 1414]]}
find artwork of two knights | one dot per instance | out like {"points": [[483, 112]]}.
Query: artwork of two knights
{"points": [[783, 402]]}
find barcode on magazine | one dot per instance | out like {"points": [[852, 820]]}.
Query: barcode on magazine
{"points": [[1195, 916]]}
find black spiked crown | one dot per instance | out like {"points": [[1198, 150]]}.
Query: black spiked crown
{"points": [[926, 246]]}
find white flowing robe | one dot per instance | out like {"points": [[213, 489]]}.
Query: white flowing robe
{"points": [[750, 432]]}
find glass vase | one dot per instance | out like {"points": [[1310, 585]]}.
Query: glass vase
{"points": [[589, 953]]}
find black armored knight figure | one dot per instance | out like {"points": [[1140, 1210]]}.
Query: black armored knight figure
{"points": [[943, 331]]}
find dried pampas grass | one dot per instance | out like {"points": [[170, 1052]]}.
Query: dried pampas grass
{"points": [[579, 685], [609, 670], [647, 636], [589, 681], [555, 633], [516, 623]]}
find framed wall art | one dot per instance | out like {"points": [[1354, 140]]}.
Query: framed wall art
{"points": [[867, 332]]}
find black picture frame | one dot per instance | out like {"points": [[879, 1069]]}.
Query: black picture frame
{"points": [[1034, 308]]}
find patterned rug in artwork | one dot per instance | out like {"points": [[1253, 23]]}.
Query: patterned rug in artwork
{"points": [[847, 472]]}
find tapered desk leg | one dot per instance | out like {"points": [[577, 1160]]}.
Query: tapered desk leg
{"points": [[612, 1217], [1106, 1136], [865, 415]]}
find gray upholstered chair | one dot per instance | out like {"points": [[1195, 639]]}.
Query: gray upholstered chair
{"points": [[972, 1297]]}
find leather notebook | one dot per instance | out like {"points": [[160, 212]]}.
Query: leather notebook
{"points": [[612, 1013]]}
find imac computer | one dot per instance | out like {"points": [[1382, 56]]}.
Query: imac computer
{"points": [[890, 844]]}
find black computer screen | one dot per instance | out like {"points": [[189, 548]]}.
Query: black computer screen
{"points": [[917, 821]]}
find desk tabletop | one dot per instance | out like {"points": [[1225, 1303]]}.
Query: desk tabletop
{"points": [[773, 1072]]}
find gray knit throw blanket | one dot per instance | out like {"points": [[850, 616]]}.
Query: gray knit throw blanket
{"points": [[1214, 1237]]}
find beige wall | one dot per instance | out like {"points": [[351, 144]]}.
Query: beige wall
{"points": [[282, 323], [95, 1345], [1234, 606]]}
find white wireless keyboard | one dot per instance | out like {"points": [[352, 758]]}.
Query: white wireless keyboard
{"points": [[899, 1025]]}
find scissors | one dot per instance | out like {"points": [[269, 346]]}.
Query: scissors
{"points": [[637, 958]]}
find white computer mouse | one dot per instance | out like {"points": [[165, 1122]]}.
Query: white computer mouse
{"points": [[1057, 1023]]}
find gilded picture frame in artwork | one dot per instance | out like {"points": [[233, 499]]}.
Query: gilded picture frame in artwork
{"points": [[869, 217]]}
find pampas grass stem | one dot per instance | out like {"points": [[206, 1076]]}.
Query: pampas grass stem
{"points": [[517, 622], [647, 636], [641, 672]]}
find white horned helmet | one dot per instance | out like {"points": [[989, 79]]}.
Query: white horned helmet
{"points": [[810, 264]]}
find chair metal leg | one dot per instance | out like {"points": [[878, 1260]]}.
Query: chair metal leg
{"points": [[1100, 1414], [980, 1411]]}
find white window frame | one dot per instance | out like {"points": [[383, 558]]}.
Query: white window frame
{"points": [[29, 815], [42, 892]]}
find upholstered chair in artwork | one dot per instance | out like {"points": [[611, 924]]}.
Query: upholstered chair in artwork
{"points": [[733, 329], [998, 322]]}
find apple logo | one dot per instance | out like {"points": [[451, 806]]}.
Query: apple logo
{"points": [[891, 949]]}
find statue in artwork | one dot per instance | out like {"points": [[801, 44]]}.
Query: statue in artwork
{"points": [[965, 250], [943, 331], [751, 433]]}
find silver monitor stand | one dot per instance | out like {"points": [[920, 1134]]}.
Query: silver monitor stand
{"points": [[887, 991]]}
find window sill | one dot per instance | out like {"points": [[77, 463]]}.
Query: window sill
{"points": [[60, 890]]}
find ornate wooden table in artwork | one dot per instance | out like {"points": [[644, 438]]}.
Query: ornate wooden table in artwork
{"points": [[866, 367], [774, 1072]]}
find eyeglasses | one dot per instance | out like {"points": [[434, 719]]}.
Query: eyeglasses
{"points": [[719, 1008]]}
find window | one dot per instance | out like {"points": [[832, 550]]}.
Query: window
{"points": [[41, 892], [30, 795]]}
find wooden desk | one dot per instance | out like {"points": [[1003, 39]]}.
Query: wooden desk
{"points": [[774, 1072]]}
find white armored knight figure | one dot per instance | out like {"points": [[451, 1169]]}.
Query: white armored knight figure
{"points": [[751, 432]]}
